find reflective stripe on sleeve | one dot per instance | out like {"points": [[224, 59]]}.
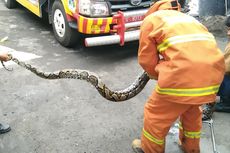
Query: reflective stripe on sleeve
{"points": [[184, 38], [194, 92], [152, 138], [171, 20]]}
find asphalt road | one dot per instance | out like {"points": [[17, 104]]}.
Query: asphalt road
{"points": [[69, 116]]}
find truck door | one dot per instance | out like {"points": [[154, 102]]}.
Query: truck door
{"points": [[32, 5]]}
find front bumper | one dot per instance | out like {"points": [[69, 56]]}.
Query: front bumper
{"points": [[112, 39], [122, 27]]}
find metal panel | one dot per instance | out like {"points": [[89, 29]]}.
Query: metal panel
{"points": [[211, 7]]}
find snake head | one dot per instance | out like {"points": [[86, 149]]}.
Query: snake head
{"points": [[10, 56]]}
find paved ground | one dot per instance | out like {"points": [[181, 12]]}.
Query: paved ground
{"points": [[69, 116]]}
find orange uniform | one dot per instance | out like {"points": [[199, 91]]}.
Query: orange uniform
{"points": [[180, 52]]}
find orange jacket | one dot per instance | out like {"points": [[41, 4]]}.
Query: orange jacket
{"points": [[182, 54]]}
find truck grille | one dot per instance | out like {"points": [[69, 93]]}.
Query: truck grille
{"points": [[125, 5]]}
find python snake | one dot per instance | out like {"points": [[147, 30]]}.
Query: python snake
{"points": [[115, 96]]}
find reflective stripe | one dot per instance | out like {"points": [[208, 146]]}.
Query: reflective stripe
{"points": [[192, 134], [184, 38], [188, 92], [152, 138], [158, 13], [171, 20]]}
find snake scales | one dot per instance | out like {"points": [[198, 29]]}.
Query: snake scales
{"points": [[115, 96]]}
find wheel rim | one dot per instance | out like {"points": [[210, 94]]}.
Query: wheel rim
{"points": [[59, 22]]}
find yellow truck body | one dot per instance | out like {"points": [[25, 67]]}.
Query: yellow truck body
{"points": [[103, 22]]}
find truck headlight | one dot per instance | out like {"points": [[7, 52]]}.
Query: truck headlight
{"points": [[93, 8]]}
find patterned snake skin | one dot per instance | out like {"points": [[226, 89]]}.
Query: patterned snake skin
{"points": [[115, 96]]}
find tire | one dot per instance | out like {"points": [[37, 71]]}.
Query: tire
{"points": [[65, 35], [10, 4]]}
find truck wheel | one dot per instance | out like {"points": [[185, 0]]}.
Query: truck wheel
{"points": [[10, 3], [63, 33]]}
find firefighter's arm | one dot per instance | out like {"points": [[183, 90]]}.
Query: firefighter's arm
{"points": [[147, 54]]}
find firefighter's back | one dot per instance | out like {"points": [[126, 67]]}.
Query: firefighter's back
{"points": [[191, 57]]}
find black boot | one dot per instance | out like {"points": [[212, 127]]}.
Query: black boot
{"points": [[4, 128]]}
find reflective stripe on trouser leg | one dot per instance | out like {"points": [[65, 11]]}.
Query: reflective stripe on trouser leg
{"points": [[159, 115], [190, 129], [154, 145]]}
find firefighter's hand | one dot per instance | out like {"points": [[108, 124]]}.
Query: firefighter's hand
{"points": [[4, 56]]}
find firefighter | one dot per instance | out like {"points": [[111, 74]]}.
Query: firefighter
{"points": [[180, 53], [3, 126]]}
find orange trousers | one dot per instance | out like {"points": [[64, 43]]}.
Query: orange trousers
{"points": [[159, 115]]}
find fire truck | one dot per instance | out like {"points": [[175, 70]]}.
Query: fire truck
{"points": [[103, 22]]}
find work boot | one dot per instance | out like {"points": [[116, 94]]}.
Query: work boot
{"points": [[136, 145], [4, 128], [208, 110]]}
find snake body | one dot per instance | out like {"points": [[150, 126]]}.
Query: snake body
{"points": [[115, 96]]}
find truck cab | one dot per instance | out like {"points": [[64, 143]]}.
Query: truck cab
{"points": [[103, 22]]}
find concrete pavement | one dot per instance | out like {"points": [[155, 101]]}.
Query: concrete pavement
{"points": [[69, 116]]}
